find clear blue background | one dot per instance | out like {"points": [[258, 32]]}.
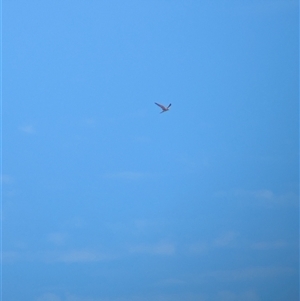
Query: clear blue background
{"points": [[105, 199]]}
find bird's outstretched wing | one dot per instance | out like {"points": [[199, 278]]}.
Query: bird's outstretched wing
{"points": [[161, 106], [169, 106]]}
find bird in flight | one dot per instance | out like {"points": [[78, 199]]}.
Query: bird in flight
{"points": [[164, 109]]}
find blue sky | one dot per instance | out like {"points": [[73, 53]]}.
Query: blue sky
{"points": [[105, 199]]}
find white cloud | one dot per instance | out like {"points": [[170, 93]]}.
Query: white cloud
{"points": [[269, 245], [248, 295], [250, 273], [27, 129], [154, 249], [146, 225], [49, 297], [265, 7], [57, 238], [71, 256], [261, 196], [198, 248], [232, 239], [126, 175], [226, 239], [136, 225], [238, 296], [10, 256], [78, 256], [269, 197], [8, 189], [156, 297], [172, 282], [264, 194], [76, 222], [143, 139], [90, 121], [6, 179], [71, 297]]}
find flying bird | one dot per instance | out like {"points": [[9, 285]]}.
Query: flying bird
{"points": [[164, 109]]}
